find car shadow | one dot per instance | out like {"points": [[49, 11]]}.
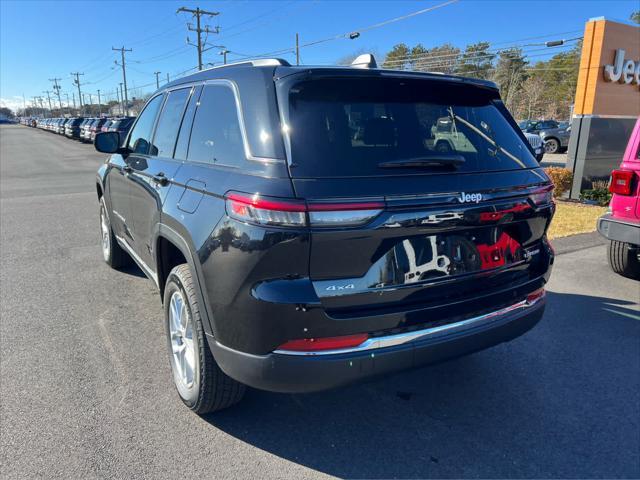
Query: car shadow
{"points": [[134, 270], [560, 401]]}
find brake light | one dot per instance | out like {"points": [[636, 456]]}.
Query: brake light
{"points": [[257, 209], [621, 182], [327, 343], [297, 213], [542, 196]]}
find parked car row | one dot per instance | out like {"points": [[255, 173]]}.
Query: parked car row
{"points": [[81, 128]]}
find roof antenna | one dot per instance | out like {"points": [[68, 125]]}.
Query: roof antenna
{"points": [[366, 60]]}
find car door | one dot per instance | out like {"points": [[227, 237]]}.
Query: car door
{"points": [[153, 173], [120, 170]]}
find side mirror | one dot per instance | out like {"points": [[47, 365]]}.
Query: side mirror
{"points": [[107, 142]]}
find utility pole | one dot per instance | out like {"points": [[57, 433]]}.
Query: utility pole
{"points": [[56, 87], [68, 104], [167, 77], [99, 105], [124, 72], [199, 30], [35, 104], [297, 49], [49, 99], [157, 74], [122, 101], [74, 99], [77, 82]]}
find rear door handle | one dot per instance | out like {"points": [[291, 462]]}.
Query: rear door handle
{"points": [[161, 179]]}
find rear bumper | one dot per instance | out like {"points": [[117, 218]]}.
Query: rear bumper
{"points": [[619, 230], [300, 372]]}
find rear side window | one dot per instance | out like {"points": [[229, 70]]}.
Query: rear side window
{"points": [[140, 137], [185, 129], [216, 137], [354, 127], [164, 139]]}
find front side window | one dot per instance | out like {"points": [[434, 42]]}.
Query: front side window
{"points": [[374, 126], [140, 137], [216, 137], [169, 122]]}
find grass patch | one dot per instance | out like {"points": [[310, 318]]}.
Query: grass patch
{"points": [[572, 218]]}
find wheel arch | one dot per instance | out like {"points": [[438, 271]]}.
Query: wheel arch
{"points": [[172, 249]]}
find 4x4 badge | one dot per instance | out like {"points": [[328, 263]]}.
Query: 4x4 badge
{"points": [[470, 197], [332, 288]]}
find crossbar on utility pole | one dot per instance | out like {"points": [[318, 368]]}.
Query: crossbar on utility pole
{"points": [[124, 74], [198, 13]]}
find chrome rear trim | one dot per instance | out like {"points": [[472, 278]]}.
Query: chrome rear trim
{"points": [[433, 332]]}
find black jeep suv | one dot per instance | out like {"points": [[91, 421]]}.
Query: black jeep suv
{"points": [[312, 227]]}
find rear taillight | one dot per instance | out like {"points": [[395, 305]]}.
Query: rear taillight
{"points": [[327, 343], [298, 213], [621, 182], [542, 196]]}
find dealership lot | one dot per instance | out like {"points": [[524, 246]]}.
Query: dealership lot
{"points": [[86, 391]]}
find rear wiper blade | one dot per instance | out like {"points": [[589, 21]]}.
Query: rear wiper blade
{"points": [[425, 162]]}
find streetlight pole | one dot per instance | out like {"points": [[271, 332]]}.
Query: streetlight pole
{"points": [[99, 104]]}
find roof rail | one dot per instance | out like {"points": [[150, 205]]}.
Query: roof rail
{"points": [[260, 62]]}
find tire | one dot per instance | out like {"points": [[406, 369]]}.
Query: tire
{"points": [[551, 146], [112, 253], [202, 386], [623, 258]]}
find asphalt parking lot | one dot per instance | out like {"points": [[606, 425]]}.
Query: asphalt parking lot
{"points": [[85, 387]]}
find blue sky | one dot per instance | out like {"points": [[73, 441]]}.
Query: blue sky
{"points": [[40, 40]]}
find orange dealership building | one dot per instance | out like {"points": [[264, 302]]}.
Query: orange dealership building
{"points": [[607, 101]]}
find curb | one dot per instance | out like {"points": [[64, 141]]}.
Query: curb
{"points": [[577, 242]]}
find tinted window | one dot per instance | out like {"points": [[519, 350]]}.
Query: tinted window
{"points": [[169, 122], [141, 134], [216, 137], [351, 127], [185, 129]]}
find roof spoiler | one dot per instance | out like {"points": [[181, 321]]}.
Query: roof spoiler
{"points": [[366, 60]]}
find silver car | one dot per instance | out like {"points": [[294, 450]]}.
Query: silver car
{"points": [[556, 138]]}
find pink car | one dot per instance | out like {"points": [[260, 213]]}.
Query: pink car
{"points": [[621, 225]]}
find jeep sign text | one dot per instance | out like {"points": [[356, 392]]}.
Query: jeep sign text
{"points": [[622, 71]]}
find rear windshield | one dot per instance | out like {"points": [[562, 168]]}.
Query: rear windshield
{"points": [[356, 127]]}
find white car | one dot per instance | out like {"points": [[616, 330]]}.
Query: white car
{"points": [[536, 143]]}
